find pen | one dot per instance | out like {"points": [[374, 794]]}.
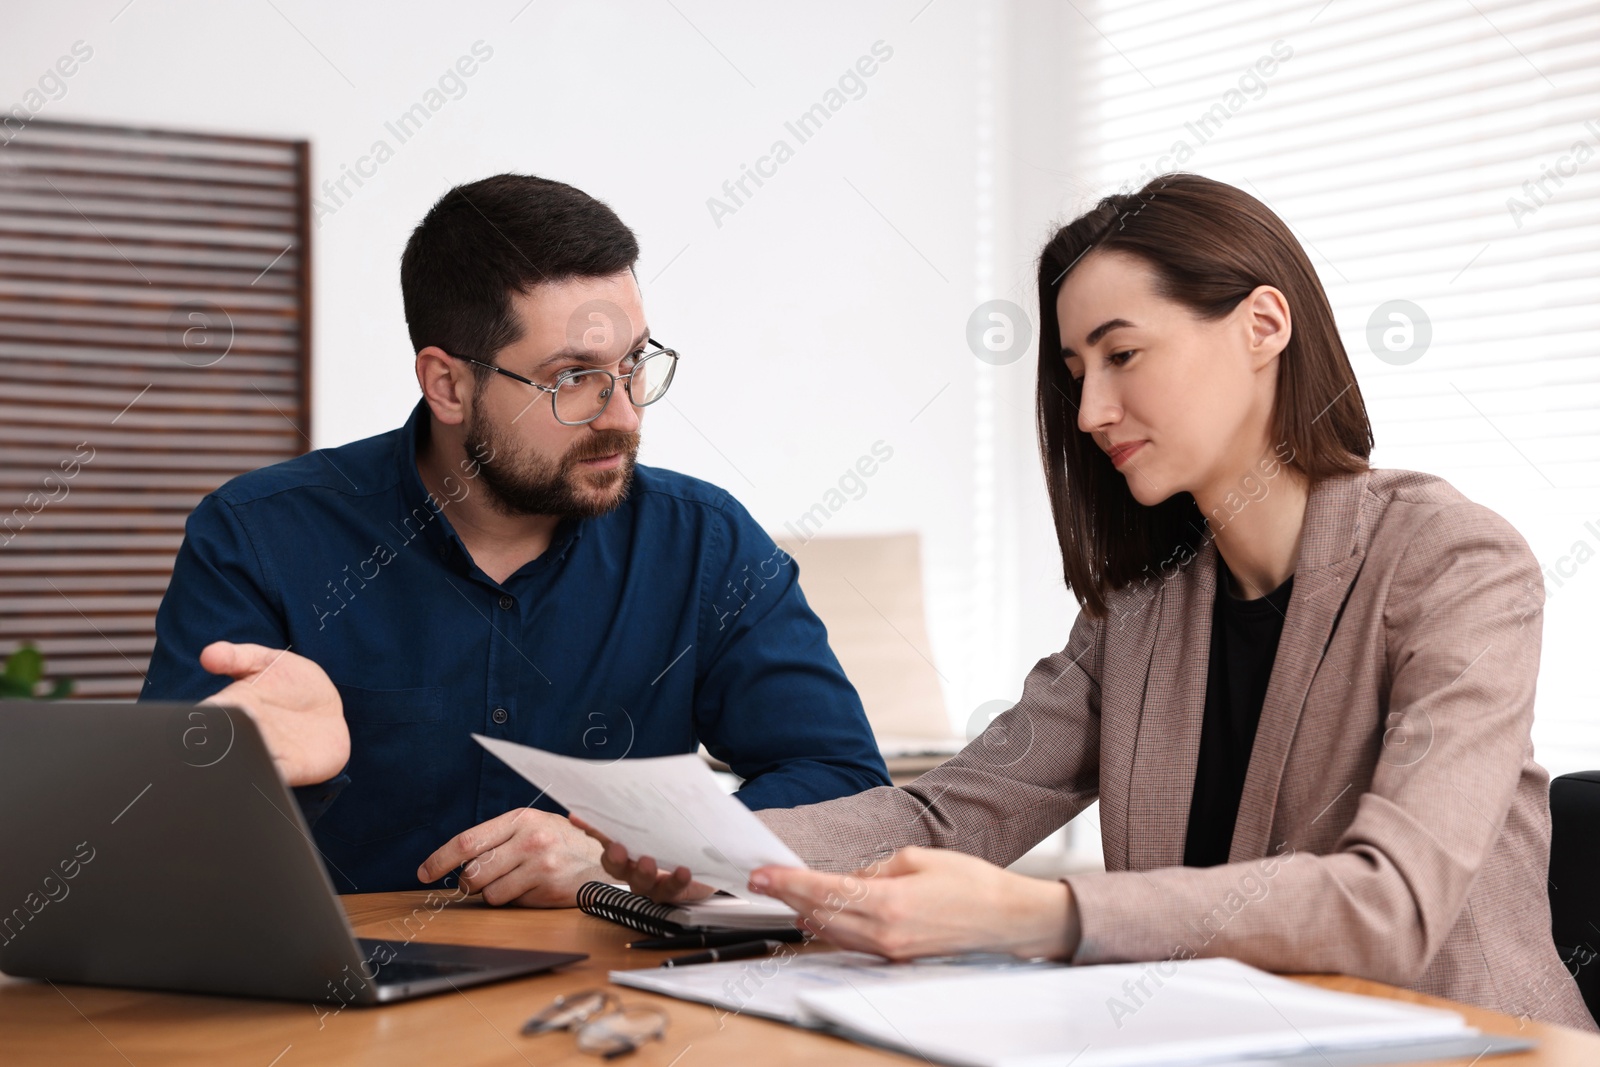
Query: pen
{"points": [[742, 951], [720, 938]]}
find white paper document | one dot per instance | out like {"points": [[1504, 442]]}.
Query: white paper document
{"points": [[771, 987], [1120, 1015], [667, 807], [732, 913]]}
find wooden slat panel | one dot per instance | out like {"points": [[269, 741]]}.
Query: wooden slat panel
{"points": [[98, 499], [54, 294], [228, 376], [111, 430], [92, 563], [63, 545], [101, 689], [156, 190], [70, 332], [132, 234], [197, 483], [101, 275], [81, 136], [83, 583], [150, 410], [108, 667], [266, 432], [56, 201], [93, 248], [134, 645], [86, 603], [58, 518], [108, 167], [161, 358], [14, 629], [127, 460], [265, 327]]}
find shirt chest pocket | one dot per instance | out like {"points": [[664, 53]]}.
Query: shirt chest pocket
{"points": [[398, 738]]}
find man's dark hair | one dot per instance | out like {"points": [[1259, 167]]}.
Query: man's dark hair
{"points": [[483, 241]]}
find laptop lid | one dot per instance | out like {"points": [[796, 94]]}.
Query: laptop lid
{"points": [[154, 845]]}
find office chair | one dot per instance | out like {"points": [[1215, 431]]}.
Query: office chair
{"points": [[1575, 879], [867, 590]]}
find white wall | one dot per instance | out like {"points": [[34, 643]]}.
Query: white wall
{"points": [[820, 317], [825, 313]]}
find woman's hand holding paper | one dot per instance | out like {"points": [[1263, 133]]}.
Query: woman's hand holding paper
{"points": [[929, 902], [919, 902]]}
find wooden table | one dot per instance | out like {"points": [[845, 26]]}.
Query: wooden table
{"points": [[63, 1026]]}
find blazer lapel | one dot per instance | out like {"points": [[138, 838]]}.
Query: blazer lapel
{"points": [[1168, 746], [1125, 708], [1330, 559]]}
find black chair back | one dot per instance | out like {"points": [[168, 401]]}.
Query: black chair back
{"points": [[1575, 879]]}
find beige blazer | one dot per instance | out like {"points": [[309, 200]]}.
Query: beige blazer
{"points": [[1394, 824]]}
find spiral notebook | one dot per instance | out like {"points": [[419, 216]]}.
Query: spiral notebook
{"points": [[720, 912]]}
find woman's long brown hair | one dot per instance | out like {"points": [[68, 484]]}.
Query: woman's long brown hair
{"points": [[1210, 245]]}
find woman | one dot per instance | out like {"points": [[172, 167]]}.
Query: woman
{"points": [[1301, 688]]}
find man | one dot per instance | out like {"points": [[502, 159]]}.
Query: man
{"points": [[500, 565]]}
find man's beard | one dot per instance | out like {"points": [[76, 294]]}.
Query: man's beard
{"points": [[521, 483]]}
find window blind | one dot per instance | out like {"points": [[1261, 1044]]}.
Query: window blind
{"points": [[1440, 162]]}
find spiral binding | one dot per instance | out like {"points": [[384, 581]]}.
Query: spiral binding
{"points": [[629, 909]]}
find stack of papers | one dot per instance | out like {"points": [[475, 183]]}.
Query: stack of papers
{"points": [[991, 1012], [732, 913], [772, 987]]}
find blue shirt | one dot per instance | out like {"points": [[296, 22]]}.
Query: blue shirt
{"points": [[670, 621]]}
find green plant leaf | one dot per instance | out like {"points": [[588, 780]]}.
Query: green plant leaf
{"points": [[61, 690], [25, 667]]}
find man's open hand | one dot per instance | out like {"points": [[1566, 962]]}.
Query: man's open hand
{"points": [[293, 703], [526, 857]]}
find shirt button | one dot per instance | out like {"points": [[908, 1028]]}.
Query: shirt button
{"points": [[500, 716], [444, 551], [506, 602]]}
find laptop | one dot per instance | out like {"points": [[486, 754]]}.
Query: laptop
{"points": [[154, 845]]}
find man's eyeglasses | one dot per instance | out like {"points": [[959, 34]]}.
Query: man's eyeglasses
{"points": [[580, 396]]}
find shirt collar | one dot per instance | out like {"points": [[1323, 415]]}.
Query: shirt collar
{"points": [[435, 527], [417, 508]]}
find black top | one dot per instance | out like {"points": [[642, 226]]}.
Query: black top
{"points": [[1244, 642]]}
